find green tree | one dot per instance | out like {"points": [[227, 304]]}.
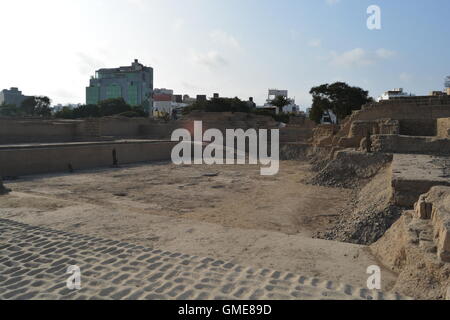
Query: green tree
{"points": [[280, 102], [220, 105], [338, 97], [28, 105], [112, 107], [86, 111], [9, 110], [65, 113], [140, 111], [36, 106], [42, 107]]}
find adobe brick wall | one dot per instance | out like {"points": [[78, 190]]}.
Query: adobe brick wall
{"points": [[111, 128], [418, 127], [416, 116], [323, 134], [409, 144], [45, 131], [435, 206], [33, 130], [27, 160]]}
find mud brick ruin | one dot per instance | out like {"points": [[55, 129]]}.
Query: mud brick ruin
{"points": [[413, 224], [398, 210]]}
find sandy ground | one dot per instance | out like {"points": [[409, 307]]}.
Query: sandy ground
{"points": [[225, 212]]}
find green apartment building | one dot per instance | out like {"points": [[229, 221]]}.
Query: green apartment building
{"points": [[134, 84]]}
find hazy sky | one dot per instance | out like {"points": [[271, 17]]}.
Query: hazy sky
{"points": [[234, 47]]}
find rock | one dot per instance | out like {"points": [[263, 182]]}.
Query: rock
{"points": [[120, 194], [216, 174], [447, 297]]}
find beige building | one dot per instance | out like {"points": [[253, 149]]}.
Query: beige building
{"points": [[438, 93]]}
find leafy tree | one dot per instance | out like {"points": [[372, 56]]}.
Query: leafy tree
{"points": [[9, 110], [28, 105], [280, 102], [42, 107], [338, 97], [93, 111], [140, 111], [86, 111], [220, 105], [65, 113], [36, 106], [112, 107]]}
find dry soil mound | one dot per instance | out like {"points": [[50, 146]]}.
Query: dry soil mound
{"points": [[372, 215], [351, 168]]}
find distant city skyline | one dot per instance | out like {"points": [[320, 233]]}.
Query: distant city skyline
{"points": [[236, 48]]}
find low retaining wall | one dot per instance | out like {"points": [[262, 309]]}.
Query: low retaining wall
{"points": [[30, 131], [418, 127], [408, 144], [51, 158]]}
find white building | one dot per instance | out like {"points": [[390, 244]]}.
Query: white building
{"points": [[164, 102], [273, 93], [396, 93]]}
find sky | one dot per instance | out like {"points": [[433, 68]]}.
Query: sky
{"points": [[233, 47]]}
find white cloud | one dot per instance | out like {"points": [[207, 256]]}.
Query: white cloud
{"points": [[63, 93], [385, 53], [210, 59], [355, 57], [360, 57], [223, 38], [315, 43]]}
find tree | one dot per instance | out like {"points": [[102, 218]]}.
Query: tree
{"points": [[28, 105], [86, 111], [112, 107], [220, 105], [338, 97], [42, 107], [280, 102], [36, 106], [9, 110], [447, 82], [65, 113], [140, 111]]}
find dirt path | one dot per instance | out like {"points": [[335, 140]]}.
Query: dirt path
{"points": [[230, 213], [114, 270]]}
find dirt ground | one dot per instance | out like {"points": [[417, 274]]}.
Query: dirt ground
{"points": [[227, 212]]}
